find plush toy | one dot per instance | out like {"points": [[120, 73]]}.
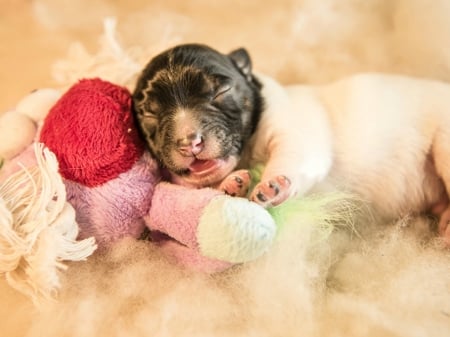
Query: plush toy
{"points": [[107, 187], [38, 231], [116, 189]]}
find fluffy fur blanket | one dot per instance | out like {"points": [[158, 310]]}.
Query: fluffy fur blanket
{"points": [[386, 280]]}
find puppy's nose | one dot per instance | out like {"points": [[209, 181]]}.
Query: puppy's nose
{"points": [[190, 145]]}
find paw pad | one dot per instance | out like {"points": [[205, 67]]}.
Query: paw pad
{"points": [[236, 184], [271, 192]]}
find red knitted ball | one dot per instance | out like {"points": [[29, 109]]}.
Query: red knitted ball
{"points": [[92, 132]]}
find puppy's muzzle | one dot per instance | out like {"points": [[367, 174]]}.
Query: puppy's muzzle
{"points": [[191, 145]]}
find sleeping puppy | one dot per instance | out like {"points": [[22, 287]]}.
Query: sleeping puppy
{"points": [[197, 109], [386, 138]]}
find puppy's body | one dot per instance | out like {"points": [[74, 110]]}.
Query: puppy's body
{"points": [[386, 138]]}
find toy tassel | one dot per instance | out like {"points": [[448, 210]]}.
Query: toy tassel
{"points": [[37, 228], [326, 210]]}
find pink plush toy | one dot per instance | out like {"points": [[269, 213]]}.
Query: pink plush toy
{"points": [[116, 188]]}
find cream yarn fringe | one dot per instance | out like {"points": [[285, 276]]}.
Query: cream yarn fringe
{"points": [[38, 229], [37, 226], [112, 61]]}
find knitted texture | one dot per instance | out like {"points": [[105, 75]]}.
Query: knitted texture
{"points": [[92, 132]]}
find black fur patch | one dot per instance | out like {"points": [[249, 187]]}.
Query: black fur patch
{"points": [[217, 91]]}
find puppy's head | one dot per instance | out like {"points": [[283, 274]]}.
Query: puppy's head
{"points": [[196, 109]]}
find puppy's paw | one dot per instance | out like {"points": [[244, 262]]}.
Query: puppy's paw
{"points": [[271, 192], [236, 184], [444, 227]]}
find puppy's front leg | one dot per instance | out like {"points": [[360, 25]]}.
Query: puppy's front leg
{"points": [[288, 173], [296, 140]]}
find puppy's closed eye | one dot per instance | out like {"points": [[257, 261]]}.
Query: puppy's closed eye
{"points": [[222, 85], [221, 91]]}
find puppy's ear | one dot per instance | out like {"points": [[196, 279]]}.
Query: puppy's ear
{"points": [[241, 59]]}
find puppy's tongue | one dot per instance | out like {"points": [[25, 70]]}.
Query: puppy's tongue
{"points": [[202, 165]]}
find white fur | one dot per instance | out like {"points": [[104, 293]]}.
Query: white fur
{"points": [[370, 133]]}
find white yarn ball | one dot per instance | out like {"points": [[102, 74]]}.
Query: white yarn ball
{"points": [[17, 131], [37, 104]]}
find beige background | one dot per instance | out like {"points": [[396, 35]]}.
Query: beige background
{"points": [[295, 40], [29, 47]]}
